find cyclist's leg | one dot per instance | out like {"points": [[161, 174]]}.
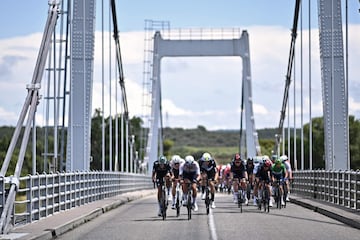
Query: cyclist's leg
{"points": [[243, 185], [256, 187], [268, 187], [203, 184], [236, 189]]}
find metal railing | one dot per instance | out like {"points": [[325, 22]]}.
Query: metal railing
{"points": [[337, 187], [42, 195]]}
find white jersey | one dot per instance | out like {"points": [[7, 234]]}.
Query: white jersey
{"points": [[182, 161], [288, 166], [189, 168]]}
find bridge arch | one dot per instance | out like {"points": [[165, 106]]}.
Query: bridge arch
{"points": [[197, 48]]}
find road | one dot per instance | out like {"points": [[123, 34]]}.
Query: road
{"points": [[138, 220]]}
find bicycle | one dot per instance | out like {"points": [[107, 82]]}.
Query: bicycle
{"points": [[277, 193], [207, 197], [240, 196], [189, 199], [263, 197], [163, 198]]}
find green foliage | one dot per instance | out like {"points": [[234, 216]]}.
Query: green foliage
{"points": [[222, 144]]}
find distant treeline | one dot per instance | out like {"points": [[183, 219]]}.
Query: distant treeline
{"points": [[223, 143]]}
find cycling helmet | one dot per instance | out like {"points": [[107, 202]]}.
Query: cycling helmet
{"points": [[189, 159], [206, 156], [162, 160], [250, 160], [284, 158], [278, 161], [176, 159], [268, 163]]}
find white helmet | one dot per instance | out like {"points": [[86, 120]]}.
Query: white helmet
{"points": [[176, 159], [189, 159], [284, 158]]}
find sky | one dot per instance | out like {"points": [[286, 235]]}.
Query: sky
{"points": [[198, 90]]}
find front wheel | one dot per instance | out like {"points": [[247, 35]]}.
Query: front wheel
{"points": [[189, 205], [207, 201]]}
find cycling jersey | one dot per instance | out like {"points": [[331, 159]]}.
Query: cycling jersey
{"points": [[263, 174], [208, 167], [238, 170], [278, 171], [249, 168], [175, 168], [161, 171], [189, 171]]}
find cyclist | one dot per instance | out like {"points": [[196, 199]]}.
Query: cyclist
{"points": [[278, 172], [250, 172], [175, 163], [161, 170], [226, 177], [287, 163], [238, 174], [263, 173], [208, 172], [190, 172]]}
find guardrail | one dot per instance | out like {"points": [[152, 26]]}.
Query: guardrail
{"points": [[42, 195], [337, 187]]}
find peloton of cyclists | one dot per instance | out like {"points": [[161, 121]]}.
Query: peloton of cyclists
{"points": [[263, 173], [189, 172], [175, 163], [208, 172], [278, 171], [161, 170], [238, 175]]}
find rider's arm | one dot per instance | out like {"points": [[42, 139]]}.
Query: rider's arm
{"points": [[286, 173]]}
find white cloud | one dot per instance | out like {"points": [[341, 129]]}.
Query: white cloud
{"points": [[195, 91]]}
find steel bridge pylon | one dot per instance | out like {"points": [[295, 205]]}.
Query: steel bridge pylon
{"points": [[199, 47]]}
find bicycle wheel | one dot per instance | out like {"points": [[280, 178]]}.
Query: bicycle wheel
{"points": [[189, 205], [266, 200], [240, 199], [285, 187], [207, 200], [163, 204], [248, 191], [177, 204], [259, 199], [279, 197]]}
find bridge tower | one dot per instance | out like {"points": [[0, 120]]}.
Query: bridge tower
{"points": [[334, 86], [82, 59], [197, 46]]}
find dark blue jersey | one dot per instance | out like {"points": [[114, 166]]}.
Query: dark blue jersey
{"points": [[161, 171]]}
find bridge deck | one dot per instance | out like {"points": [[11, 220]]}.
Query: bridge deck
{"points": [[60, 223]]}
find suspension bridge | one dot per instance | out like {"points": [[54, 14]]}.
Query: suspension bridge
{"points": [[66, 63]]}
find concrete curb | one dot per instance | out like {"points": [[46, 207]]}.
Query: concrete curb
{"points": [[340, 218]]}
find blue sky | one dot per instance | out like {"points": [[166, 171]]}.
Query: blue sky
{"points": [[209, 102]]}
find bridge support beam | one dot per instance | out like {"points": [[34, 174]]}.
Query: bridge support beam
{"points": [[334, 86], [82, 61]]}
